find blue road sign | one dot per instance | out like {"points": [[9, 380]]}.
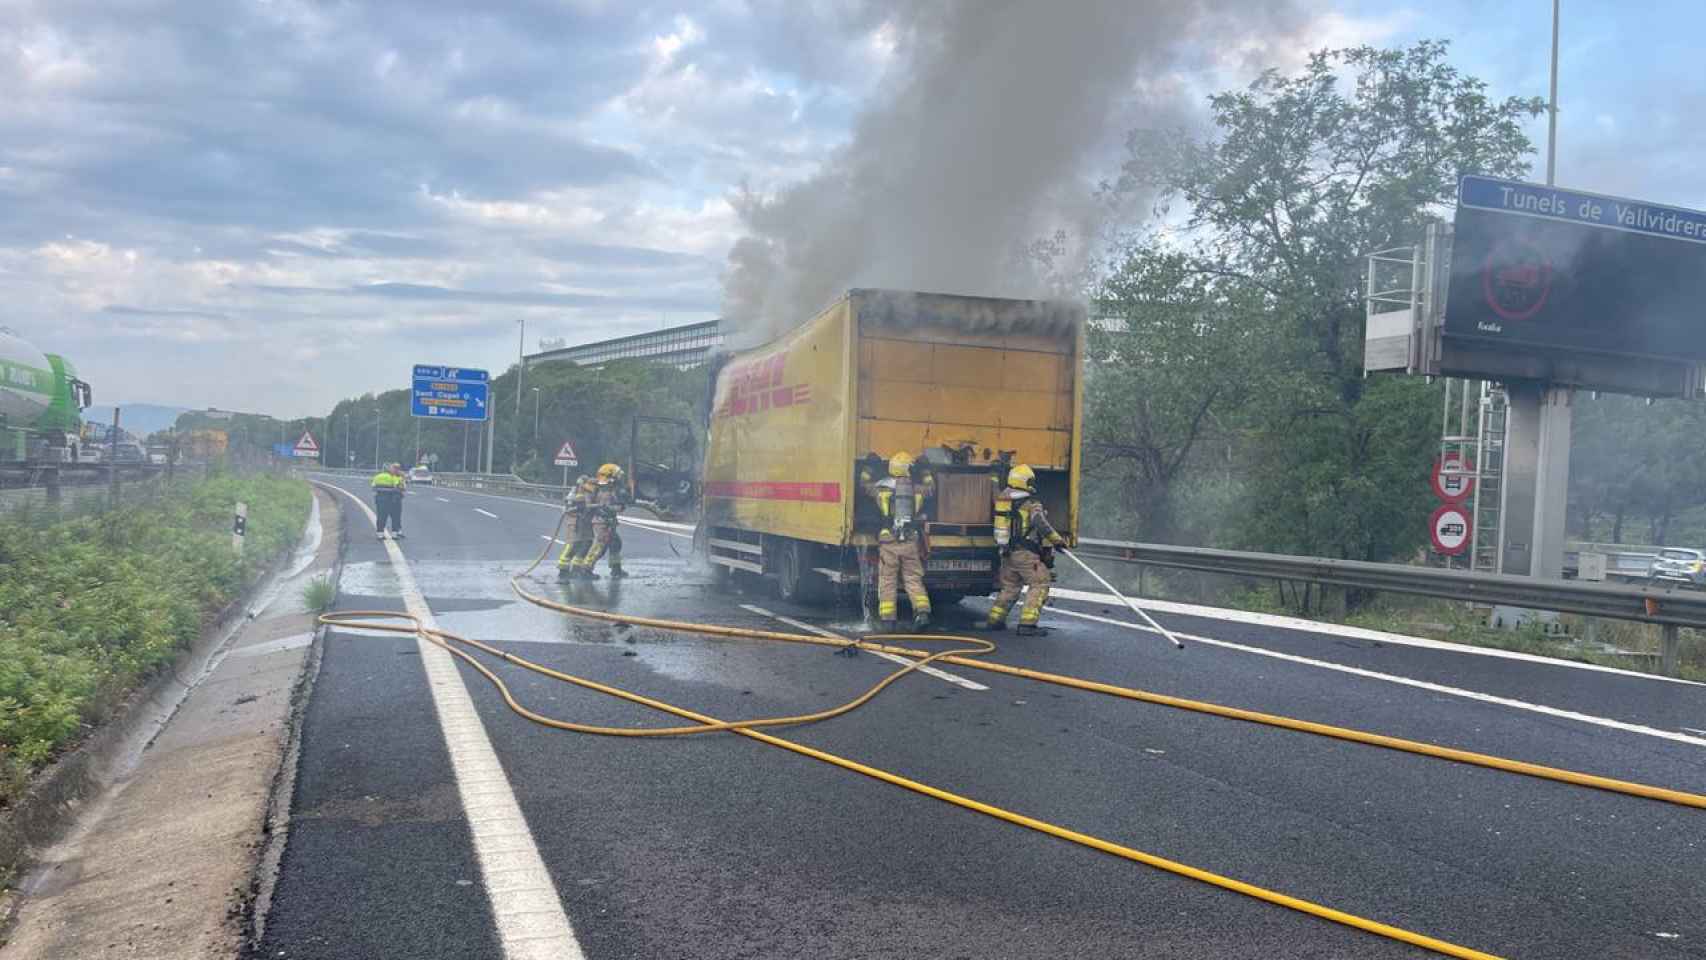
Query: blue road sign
{"points": [[1539, 272], [448, 393], [1588, 209], [283, 450]]}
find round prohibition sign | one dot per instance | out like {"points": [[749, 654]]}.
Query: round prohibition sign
{"points": [[1449, 529]]}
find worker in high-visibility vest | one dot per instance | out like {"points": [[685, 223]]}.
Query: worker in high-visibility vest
{"points": [[1027, 540], [388, 485]]}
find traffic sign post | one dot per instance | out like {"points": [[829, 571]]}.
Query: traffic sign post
{"points": [[449, 393], [306, 448], [566, 458], [1449, 529]]}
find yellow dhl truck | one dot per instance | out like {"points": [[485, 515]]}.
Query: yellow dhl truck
{"points": [[967, 385]]}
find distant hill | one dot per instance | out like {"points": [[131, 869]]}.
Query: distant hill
{"points": [[139, 419]]}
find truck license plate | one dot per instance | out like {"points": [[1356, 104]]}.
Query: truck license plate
{"points": [[950, 565]]}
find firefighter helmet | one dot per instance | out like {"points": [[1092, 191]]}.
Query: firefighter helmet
{"points": [[1022, 477], [900, 465], [609, 472]]}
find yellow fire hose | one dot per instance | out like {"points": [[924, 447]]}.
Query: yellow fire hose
{"points": [[966, 656]]}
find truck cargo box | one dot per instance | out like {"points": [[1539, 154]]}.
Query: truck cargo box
{"points": [[967, 385]]}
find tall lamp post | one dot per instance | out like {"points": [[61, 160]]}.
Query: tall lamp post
{"points": [[520, 370], [535, 414]]}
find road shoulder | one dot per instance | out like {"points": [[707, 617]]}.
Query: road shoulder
{"points": [[161, 864]]}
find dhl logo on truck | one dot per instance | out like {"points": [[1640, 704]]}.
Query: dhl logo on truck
{"points": [[756, 385]]}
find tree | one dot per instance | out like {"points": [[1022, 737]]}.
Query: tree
{"points": [[1170, 348], [1302, 177]]}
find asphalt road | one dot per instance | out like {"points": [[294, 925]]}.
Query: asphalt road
{"points": [[721, 847]]}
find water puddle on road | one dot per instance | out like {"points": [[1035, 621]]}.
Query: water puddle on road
{"points": [[474, 599]]}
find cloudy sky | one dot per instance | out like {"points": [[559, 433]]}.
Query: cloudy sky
{"points": [[270, 204]]}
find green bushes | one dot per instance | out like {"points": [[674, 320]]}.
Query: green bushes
{"points": [[90, 605]]}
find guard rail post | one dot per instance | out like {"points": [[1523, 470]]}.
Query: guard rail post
{"points": [[1670, 662]]}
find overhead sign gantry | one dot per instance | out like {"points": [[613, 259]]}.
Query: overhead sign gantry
{"points": [[1546, 291]]}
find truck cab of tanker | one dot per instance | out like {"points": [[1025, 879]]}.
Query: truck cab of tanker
{"points": [[968, 386]]}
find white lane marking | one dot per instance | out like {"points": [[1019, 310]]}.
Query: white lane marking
{"points": [[1408, 682], [528, 912], [1695, 730], [683, 530], [486, 512], [1355, 633], [897, 658], [442, 499], [551, 538]]}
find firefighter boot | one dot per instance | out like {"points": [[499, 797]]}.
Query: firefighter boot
{"points": [[1031, 630], [565, 574], [616, 570], [886, 626], [921, 621]]}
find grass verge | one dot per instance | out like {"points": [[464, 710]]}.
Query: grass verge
{"points": [[91, 605]]}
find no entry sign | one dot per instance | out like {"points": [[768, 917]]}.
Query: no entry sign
{"points": [[1450, 480], [1449, 528]]}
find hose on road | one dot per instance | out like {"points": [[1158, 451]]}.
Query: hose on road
{"points": [[969, 656]]}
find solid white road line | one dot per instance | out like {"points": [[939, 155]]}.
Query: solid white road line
{"points": [[442, 499], [528, 913], [1408, 682], [682, 530], [486, 512], [1695, 730], [897, 658], [1354, 633]]}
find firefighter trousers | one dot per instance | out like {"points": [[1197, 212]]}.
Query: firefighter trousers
{"points": [[1021, 568], [605, 539], [898, 560], [580, 540]]}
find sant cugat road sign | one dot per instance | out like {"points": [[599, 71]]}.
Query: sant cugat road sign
{"points": [[448, 393]]}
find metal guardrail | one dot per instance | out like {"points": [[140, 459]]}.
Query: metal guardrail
{"points": [[1648, 604]]}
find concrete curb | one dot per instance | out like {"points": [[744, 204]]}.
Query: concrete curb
{"points": [[51, 805]]}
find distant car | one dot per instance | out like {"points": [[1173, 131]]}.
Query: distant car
{"points": [[1679, 565], [420, 475]]}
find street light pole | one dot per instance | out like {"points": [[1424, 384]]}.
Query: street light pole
{"points": [[1552, 105], [376, 421], [520, 369], [535, 414]]}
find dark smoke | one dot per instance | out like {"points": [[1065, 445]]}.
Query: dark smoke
{"points": [[975, 148]]}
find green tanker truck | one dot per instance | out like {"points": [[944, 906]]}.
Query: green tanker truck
{"points": [[41, 405]]}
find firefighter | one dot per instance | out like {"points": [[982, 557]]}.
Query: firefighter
{"points": [[609, 497], [900, 500], [578, 505], [1027, 542], [387, 487]]}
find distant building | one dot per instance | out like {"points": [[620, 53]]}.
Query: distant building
{"points": [[685, 346]]}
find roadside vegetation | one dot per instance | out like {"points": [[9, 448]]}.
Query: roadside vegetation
{"points": [[319, 594], [91, 606]]}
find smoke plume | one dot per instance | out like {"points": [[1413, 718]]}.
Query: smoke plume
{"points": [[976, 147]]}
